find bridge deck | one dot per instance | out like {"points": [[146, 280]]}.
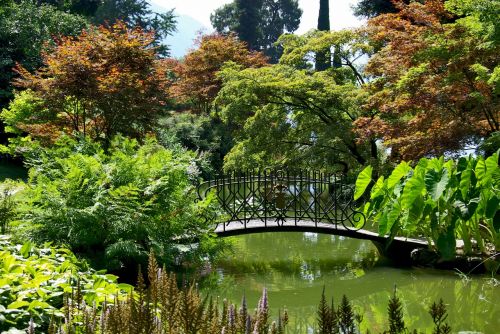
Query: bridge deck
{"points": [[259, 226]]}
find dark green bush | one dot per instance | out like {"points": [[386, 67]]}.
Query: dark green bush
{"points": [[114, 207]]}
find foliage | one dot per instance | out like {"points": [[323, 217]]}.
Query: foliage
{"points": [[114, 208], [276, 17], [164, 308], [137, 13], [441, 201], [438, 313], [196, 76], [7, 203], [34, 280], [103, 82], [322, 61], [343, 319], [395, 315], [372, 8], [435, 80], [206, 135], [247, 22], [285, 114], [25, 30]]}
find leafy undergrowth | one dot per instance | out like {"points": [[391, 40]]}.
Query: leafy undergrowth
{"points": [[440, 200], [35, 280]]}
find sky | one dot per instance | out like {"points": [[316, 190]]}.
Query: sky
{"points": [[340, 12]]}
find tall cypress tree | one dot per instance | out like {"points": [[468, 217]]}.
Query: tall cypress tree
{"points": [[324, 15], [323, 58], [247, 27]]}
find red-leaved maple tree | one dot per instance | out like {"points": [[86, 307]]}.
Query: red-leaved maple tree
{"points": [[103, 82], [197, 81], [428, 95]]}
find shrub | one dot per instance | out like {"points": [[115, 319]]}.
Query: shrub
{"points": [[115, 207], [439, 200], [33, 281], [7, 204]]}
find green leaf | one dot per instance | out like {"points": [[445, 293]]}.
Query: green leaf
{"points": [[446, 244], [378, 188], [397, 174], [18, 304], [436, 183], [364, 179], [382, 224], [480, 171], [413, 188], [393, 215], [465, 181], [26, 249], [416, 210], [492, 207]]}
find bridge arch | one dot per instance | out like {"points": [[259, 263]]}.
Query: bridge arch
{"points": [[296, 201]]}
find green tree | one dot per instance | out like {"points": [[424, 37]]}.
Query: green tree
{"points": [[200, 133], [25, 30], [372, 8], [137, 13], [285, 115], [103, 82], [247, 26], [276, 17], [323, 57]]}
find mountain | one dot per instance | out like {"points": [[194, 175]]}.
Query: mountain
{"points": [[187, 29]]}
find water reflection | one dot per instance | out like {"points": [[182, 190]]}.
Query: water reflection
{"points": [[294, 267]]}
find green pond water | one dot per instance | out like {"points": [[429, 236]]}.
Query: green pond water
{"points": [[294, 267]]}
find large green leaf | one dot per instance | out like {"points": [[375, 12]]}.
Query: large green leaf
{"points": [[413, 188], [397, 174], [446, 243], [436, 182], [378, 188], [364, 179], [492, 207], [393, 215], [416, 210], [465, 182], [382, 223], [480, 171]]}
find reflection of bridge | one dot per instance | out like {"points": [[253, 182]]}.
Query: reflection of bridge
{"points": [[301, 201]]}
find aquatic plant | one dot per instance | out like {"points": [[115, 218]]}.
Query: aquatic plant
{"points": [[439, 200]]}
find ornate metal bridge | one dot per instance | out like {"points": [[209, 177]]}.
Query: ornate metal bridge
{"points": [[278, 197], [306, 201]]}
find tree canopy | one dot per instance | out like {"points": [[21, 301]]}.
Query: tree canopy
{"points": [[275, 17], [26, 30], [287, 115], [137, 13], [196, 80], [103, 82], [435, 84]]}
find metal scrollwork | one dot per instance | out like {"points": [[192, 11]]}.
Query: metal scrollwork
{"points": [[283, 196]]}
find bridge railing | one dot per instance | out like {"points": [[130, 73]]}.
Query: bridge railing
{"points": [[278, 197]]}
